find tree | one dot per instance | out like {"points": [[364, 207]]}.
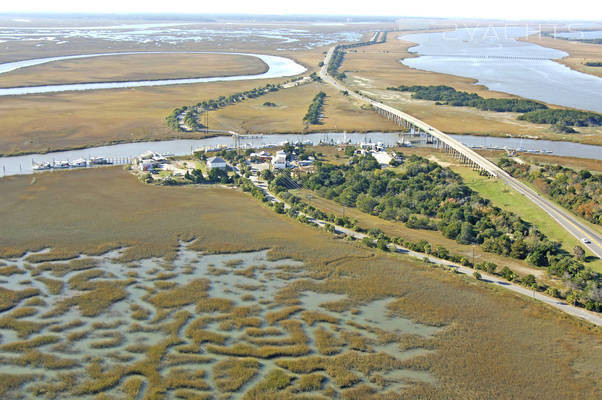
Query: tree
{"points": [[578, 252], [530, 281], [467, 235], [218, 175], [477, 275], [382, 244], [267, 175], [367, 241]]}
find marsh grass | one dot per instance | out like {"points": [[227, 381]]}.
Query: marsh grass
{"points": [[62, 269], [260, 332], [77, 335], [327, 342], [311, 317], [232, 373], [54, 286], [274, 381], [131, 387], [274, 316], [491, 342], [93, 302], [11, 270], [36, 359], [10, 298], [338, 306], [249, 272], [309, 383], [67, 326], [183, 359], [113, 339], [181, 295], [11, 382], [23, 328], [25, 345], [213, 304], [35, 302], [23, 312]]}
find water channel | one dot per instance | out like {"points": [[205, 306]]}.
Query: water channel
{"points": [[121, 153]]}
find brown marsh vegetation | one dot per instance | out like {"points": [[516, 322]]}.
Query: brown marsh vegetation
{"points": [[395, 327], [133, 67]]}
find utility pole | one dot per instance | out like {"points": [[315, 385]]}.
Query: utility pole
{"points": [[473, 264]]}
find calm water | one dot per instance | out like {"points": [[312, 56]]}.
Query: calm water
{"points": [[485, 54], [121, 152], [278, 67]]}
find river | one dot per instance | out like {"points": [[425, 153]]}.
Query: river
{"points": [[277, 67], [121, 153], [494, 57]]}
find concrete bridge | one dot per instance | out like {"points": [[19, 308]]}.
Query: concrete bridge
{"points": [[440, 139]]}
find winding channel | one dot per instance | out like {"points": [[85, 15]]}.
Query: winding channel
{"points": [[277, 67]]}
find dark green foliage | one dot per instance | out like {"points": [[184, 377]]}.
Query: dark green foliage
{"points": [[196, 176], [315, 109], [559, 128], [269, 104], [563, 117], [335, 62], [172, 118], [218, 175], [450, 96], [594, 63], [579, 191]]}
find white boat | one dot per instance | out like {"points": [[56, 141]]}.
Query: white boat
{"points": [[79, 163], [61, 165], [41, 166], [99, 161]]}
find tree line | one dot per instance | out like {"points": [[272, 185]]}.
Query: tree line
{"points": [[579, 191], [449, 96], [192, 112], [315, 109], [563, 117], [532, 111]]}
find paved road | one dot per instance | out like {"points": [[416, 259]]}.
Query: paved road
{"points": [[578, 312], [576, 228]]}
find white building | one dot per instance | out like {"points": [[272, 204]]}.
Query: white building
{"points": [[279, 160], [216, 162], [382, 157]]}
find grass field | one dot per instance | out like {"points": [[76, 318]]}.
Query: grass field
{"points": [[133, 67], [339, 113], [472, 339], [374, 68]]}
